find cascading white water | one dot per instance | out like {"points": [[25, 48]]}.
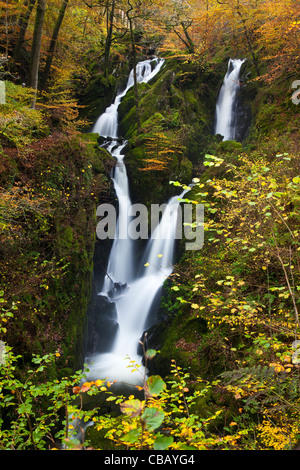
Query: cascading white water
{"points": [[107, 124], [133, 305], [158, 255], [120, 266], [225, 112]]}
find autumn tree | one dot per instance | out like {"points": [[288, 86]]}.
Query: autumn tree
{"points": [[133, 12], [23, 24], [36, 47], [110, 16], [244, 13], [279, 35], [50, 53], [177, 17]]}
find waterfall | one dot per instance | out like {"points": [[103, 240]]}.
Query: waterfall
{"points": [[107, 123], [120, 266], [134, 303], [225, 108]]}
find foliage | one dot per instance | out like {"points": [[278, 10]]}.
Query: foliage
{"points": [[20, 125], [31, 410], [245, 285], [49, 184], [38, 413]]}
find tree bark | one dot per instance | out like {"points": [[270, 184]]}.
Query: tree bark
{"points": [[248, 39], [136, 93], [189, 42], [36, 48], [50, 53], [23, 23], [110, 23]]}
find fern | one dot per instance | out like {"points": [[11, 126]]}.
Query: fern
{"points": [[245, 374]]}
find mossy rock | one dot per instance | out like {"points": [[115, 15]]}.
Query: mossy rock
{"points": [[155, 121], [229, 147], [65, 239], [97, 96], [128, 124], [176, 339], [128, 101], [176, 97]]}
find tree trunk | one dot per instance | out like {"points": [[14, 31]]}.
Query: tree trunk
{"points": [[110, 23], [248, 39], [189, 42], [36, 48], [51, 49], [136, 92], [23, 23]]}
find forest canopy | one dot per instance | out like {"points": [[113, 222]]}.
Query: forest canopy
{"points": [[267, 31]]}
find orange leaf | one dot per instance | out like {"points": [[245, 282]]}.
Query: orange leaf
{"points": [[86, 386]]}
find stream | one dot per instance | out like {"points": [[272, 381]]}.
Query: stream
{"points": [[130, 289], [141, 284]]}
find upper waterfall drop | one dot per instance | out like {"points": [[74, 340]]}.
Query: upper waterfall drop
{"points": [[107, 123], [225, 107]]}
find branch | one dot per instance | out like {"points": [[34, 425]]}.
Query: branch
{"points": [[287, 280]]}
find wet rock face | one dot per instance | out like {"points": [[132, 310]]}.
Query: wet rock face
{"points": [[243, 118], [103, 325]]}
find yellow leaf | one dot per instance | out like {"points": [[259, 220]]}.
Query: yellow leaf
{"points": [[277, 367], [86, 386]]}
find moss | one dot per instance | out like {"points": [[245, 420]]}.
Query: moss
{"points": [[229, 147], [176, 339], [96, 95], [155, 121], [65, 239], [50, 274], [128, 124], [176, 97]]}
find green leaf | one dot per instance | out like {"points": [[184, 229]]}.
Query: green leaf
{"points": [[132, 408], [111, 398], [155, 385], [132, 436], [25, 408], [153, 418], [150, 353], [163, 442]]}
